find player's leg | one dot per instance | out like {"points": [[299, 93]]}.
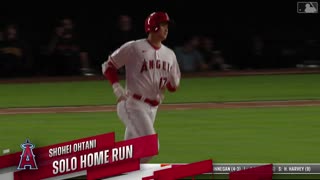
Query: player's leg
{"points": [[152, 113], [142, 121], [138, 118], [123, 115], [128, 134]]}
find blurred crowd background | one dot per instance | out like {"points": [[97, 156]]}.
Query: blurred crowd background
{"points": [[75, 38]]}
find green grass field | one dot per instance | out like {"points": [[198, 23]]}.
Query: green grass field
{"points": [[249, 135], [215, 89], [246, 135]]}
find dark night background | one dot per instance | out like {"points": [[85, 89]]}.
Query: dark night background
{"points": [[230, 23]]}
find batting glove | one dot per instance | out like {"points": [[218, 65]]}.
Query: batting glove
{"points": [[119, 91]]}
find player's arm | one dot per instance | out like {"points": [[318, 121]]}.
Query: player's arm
{"points": [[110, 69], [110, 72], [174, 77]]}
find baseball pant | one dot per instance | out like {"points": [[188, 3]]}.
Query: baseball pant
{"points": [[137, 116]]}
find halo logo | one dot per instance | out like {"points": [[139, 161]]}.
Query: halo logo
{"points": [[27, 156]]}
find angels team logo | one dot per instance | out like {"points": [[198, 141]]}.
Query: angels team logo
{"points": [[27, 156]]}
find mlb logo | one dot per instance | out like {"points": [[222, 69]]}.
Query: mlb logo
{"points": [[307, 7]]}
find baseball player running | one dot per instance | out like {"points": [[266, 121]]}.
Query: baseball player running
{"points": [[151, 68]]}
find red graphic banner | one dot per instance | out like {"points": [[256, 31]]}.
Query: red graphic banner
{"points": [[100, 155], [258, 173]]}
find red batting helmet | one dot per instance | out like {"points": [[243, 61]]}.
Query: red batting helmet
{"points": [[153, 21]]}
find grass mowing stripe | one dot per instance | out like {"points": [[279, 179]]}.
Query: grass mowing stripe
{"points": [[214, 89], [46, 129], [240, 135]]}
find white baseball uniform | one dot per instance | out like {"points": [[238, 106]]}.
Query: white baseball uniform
{"points": [[148, 72]]}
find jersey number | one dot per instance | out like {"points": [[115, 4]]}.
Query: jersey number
{"points": [[163, 82]]}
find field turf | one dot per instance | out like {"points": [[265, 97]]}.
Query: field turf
{"points": [[244, 135]]}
